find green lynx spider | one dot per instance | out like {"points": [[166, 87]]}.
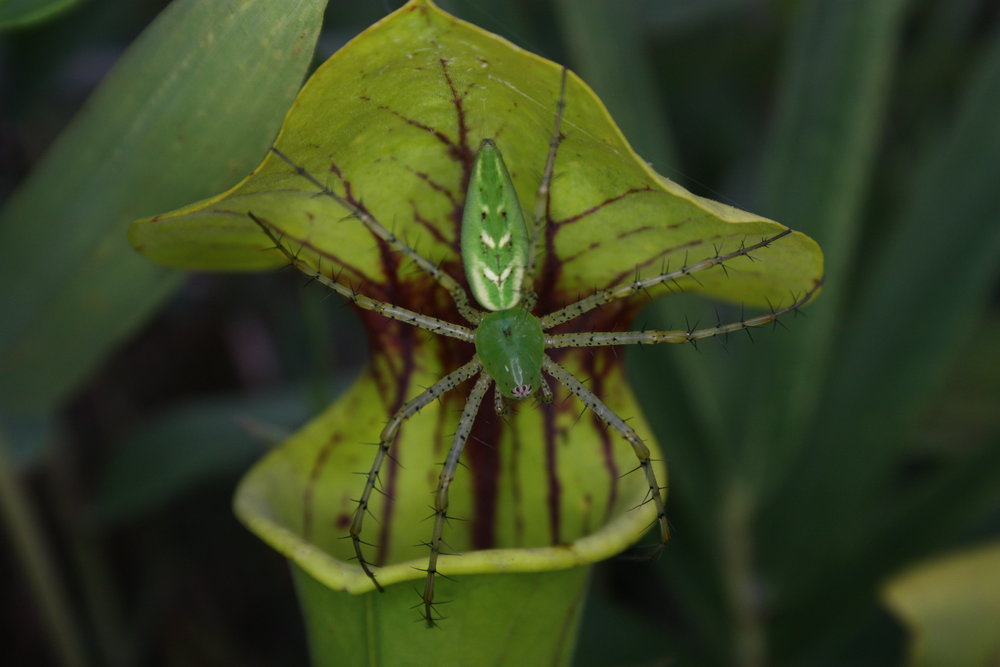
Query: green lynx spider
{"points": [[500, 260]]}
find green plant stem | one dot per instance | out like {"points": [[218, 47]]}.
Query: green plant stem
{"points": [[39, 566], [750, 637], [100, 602]]}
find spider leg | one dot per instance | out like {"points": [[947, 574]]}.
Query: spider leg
{"points": [[444, 482], [498, 402], [650, 337], [410, 408], [541, 212], [389, 310], [547, 395], [608, 416], [625, 290], [444, 279]]}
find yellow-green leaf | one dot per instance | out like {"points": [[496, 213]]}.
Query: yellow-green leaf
{"points": [[951, 607], [393, 122]]}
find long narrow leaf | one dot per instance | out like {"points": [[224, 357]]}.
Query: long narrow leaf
{"points": [[931, 275], [189, 109], [817, 171]]}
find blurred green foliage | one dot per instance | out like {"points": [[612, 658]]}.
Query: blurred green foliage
{"points": [[20, 13], [806, 467]]}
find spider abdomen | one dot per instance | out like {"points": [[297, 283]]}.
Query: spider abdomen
{"points": [[510, 345], [494, 236]]}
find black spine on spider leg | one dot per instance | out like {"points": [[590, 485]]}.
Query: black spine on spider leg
{"points": [[691, 328], [776, 322], [740, 322], [718, 324]]}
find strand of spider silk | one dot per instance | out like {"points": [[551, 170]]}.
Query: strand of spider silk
{"points": [[651, 337], [444, 482], [602, 297], [608, 416], [541, 212], [410, 408], [458, 294], [389, 310]]}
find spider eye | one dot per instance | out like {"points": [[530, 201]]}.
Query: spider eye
{"points": [[521, 391]]}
